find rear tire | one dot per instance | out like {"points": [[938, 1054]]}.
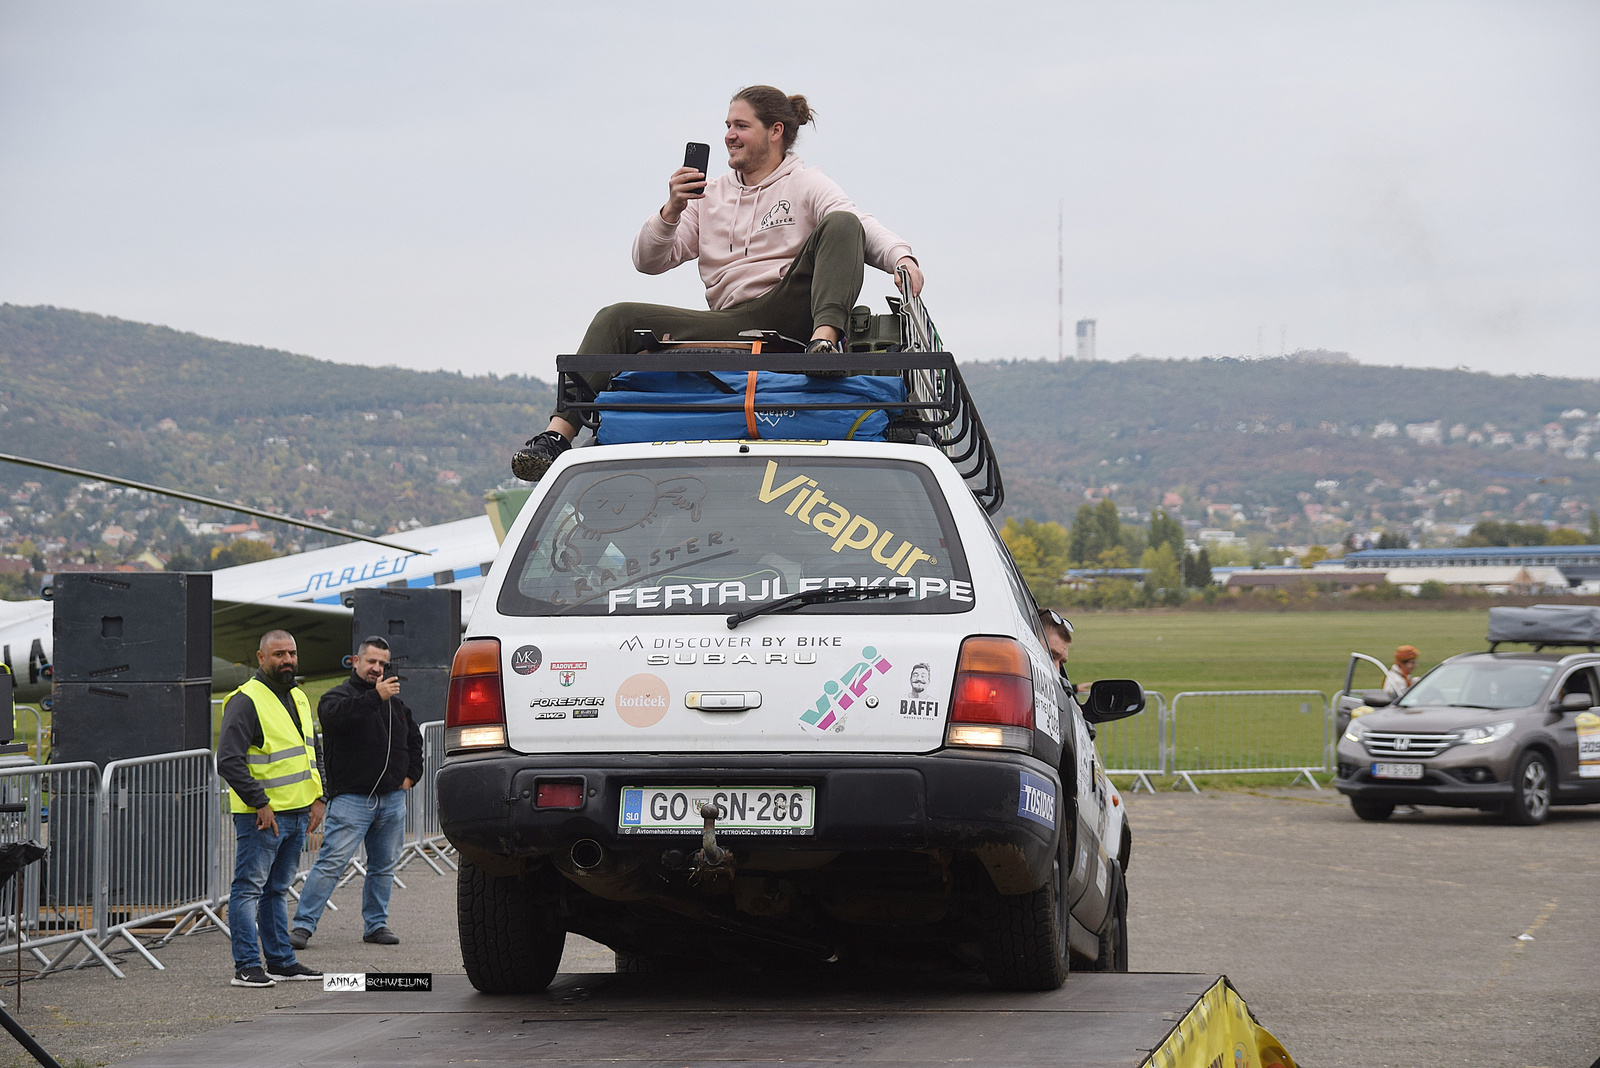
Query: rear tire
{"points": [[1025, 936], [1114, 939], [1375, 811], [1531, 787], [510, 942]]}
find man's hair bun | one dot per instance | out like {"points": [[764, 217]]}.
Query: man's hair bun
{"points": [[772, 107]]}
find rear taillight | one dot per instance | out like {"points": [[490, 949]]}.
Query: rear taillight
{"points": [[991, 705], [475, 715]]}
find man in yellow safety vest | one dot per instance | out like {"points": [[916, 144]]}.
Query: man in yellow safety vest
{"points": [[266, 754]]}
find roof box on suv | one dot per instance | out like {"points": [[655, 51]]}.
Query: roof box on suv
{"points": [[1546, 624]]}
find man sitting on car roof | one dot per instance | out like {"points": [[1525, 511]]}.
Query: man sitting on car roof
{"points": [[780, 245]]}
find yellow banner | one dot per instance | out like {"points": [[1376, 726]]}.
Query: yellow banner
{"points": [[1220, 1032]]}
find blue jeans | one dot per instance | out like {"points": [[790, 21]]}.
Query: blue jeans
{"points": [[352, 818], [263, 868]]}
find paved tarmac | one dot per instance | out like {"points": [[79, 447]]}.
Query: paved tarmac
{"points": [[1354, 943]]}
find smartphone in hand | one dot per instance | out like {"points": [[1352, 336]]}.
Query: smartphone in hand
{"points": [[698, 156]]}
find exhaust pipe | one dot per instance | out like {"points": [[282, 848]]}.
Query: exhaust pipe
{"points": [[587, 854]]}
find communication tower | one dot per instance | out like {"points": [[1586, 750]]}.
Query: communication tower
{"points": [[1085, 339]]}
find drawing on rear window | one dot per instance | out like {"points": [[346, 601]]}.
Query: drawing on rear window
{"points": [[718, 535]]}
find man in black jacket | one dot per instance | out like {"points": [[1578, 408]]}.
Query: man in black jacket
{"points": [[373, 755]]}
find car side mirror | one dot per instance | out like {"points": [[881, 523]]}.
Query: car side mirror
{"points": [[1377, 698], [1576, 702], [1111, 699]]}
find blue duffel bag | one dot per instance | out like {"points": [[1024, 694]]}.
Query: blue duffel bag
{"points": [[687, 392]]}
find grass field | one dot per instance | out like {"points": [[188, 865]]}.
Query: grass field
{"points": [[1171, 652]]}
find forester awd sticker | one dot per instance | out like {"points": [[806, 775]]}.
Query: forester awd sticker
{"points": [[827, 711], [1036, 799]]}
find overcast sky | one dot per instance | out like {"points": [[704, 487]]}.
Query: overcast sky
{"points": [[457, 184]]}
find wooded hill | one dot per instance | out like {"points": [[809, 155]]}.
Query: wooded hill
{"points": [[378, 446], [385, 447], [1263, 433]]}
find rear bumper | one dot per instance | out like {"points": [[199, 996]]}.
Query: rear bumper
{"points": [[955, 800]]}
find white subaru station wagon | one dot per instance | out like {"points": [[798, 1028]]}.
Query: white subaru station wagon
{"points": [[775, 703]]}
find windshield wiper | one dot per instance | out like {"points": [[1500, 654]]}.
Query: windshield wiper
{"points": [[818, 596]]}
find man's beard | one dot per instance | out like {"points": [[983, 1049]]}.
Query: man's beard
{"points": [[284, 676]]}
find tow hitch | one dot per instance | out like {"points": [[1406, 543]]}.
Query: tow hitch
{"points": [[712, 865]]}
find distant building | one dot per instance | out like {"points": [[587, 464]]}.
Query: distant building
{"points": [[1579, 563], [1425, 433], [1086, 339], [1215, 536], [1291, 578]]}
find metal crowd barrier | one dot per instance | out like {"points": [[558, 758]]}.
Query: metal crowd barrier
{"points": [[50, 907], [28, 725], [1137, 745], [1238, 732], [424, 838], [158, 848]]}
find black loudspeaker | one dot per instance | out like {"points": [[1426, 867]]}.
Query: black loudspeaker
{"points": [[422, 627], [106, 722], [424, 691], [132, 627]]}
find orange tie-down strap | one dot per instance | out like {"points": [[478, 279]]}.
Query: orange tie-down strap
{"points": [[750, 397]]}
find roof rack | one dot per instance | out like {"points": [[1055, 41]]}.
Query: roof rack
{"points": [[938, 410]]}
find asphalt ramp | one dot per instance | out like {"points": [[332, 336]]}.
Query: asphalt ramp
{"points": [[1097, 1019]]}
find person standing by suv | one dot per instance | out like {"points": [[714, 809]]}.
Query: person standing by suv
{"points": [[373, 756], [1399, 679], [781, 247], [275, 794]]}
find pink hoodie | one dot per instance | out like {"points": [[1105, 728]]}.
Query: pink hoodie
{"points": [[746, 236]]}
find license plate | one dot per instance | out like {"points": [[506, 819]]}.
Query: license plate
{"points": [[746, 809], [1397, 771]]}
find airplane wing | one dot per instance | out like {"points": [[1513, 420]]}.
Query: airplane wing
{"points": [[322, 631]]}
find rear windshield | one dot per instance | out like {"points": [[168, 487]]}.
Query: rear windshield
{"points": [[1481, 684], [717, 535]]}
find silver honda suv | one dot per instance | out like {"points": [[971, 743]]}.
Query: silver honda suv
{"points": [[1512, 733]]}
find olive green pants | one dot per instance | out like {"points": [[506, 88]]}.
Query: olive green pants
{"points": [[819, 289]]}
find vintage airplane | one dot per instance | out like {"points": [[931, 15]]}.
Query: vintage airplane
{"points": [[302, 594]]}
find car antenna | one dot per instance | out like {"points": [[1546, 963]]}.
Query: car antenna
{"points": [[63, 469]]}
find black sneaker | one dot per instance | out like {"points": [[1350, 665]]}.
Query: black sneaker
{"points": [[382, 937], [531, 461], [299, 937], [285, 973], [826, 347], [254, 976]]}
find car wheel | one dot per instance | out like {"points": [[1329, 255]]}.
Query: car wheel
{"points": [[1376, 811], [1025, 936], [1530, 790], [1114, 939], [509, 943]]}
